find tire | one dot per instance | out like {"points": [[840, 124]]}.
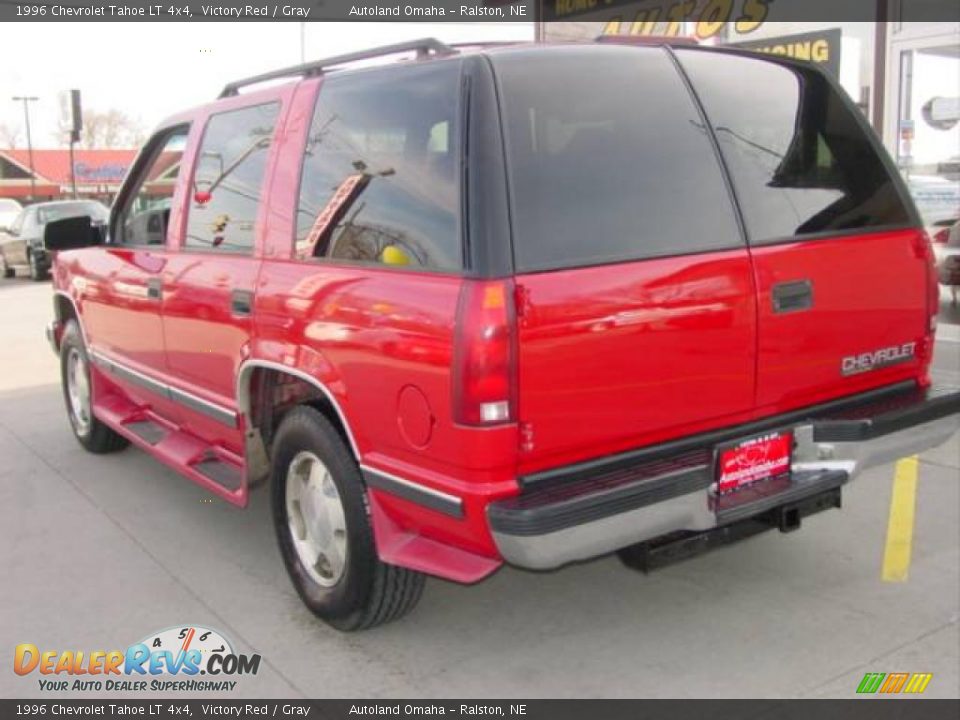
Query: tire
{"points": [[37, 274], [92, 434], [5, 270], [351, 589]]}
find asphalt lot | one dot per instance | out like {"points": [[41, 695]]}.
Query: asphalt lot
{"points": [[98, 552]]}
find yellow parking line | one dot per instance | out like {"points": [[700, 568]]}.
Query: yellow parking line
{"points": [[903, 504]]}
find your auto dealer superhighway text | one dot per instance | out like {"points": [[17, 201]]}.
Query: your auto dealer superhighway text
{"points": [[64, 11]]}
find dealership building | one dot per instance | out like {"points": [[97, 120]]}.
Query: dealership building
{"points": [[903, 73]]}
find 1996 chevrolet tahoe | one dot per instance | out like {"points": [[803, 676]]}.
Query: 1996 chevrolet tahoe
{"points": [[507, 304]]}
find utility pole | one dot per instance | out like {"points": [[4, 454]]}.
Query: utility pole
{"points": [[26, 100]]}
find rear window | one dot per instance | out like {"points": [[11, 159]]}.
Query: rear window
{"points": [[609, 159], [801, 162]]}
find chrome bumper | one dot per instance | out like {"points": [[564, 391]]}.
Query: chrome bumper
{"points": [[819, 465]]}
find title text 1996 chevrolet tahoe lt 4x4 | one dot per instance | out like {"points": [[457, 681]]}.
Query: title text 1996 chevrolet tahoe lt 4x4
{"points": [[507, 304]]}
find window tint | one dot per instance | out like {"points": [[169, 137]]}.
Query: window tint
{"points": [[609, 159], [146, 215], [379, 179], [227, 181], [800, 161]]}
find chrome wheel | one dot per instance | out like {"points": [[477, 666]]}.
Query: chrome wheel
{"points": [[78, 391], [316, 519]]}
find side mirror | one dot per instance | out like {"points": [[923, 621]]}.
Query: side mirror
{"points": [[72, 233]]}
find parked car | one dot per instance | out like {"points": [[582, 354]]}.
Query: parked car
{"points": [[947, 250], [22, 243], [9, 209], [523, 305]]}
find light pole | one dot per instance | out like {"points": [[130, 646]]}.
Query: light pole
{"points": [[26, 117]]}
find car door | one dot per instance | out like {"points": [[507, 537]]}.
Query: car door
{"points": [[120, 292], [14, 247], [209, 283], [840, 261]]}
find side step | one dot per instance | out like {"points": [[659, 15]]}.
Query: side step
{"points": [[673, 548], [147, 430], [213, 468], [223, 473]]}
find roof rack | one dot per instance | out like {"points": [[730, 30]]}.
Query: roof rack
{"points": [[645, 40], [423, 47]]}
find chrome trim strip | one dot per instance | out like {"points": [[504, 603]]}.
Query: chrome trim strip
{"points": [[219, 413], [243, 392], [216, 412], [414, 492]]}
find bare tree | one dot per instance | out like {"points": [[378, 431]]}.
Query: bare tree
{"points": [[109, 129], [9, 135]]}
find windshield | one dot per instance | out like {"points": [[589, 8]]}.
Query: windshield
{"points": [[67, 210]]}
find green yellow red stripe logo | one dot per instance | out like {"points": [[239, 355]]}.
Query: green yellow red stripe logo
{"points": [[894, 683]]}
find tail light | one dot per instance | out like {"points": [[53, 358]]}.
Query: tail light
{"points": [[941, 236], [485, 354]]}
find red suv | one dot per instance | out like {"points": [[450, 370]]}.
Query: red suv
{"points": [[526, 305]]}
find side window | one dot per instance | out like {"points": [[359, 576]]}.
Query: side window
{"points": [[227, 181], [608, 159], [379, 182], [800, 161], [146, 214]]}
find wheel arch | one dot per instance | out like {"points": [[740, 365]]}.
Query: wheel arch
{"points": [[256, 377]]}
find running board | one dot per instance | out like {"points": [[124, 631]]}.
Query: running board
{"points": [[213, 468]]}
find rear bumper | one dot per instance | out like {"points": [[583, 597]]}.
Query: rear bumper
{"points": [[598, 508]]}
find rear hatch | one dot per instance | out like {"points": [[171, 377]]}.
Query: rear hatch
{"points": [[644, 313]]}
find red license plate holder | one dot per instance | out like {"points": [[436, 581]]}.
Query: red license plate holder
{"points": [[745, 462]]}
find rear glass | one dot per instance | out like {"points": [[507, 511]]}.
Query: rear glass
{"points": [[801, 162], [609, 159]]}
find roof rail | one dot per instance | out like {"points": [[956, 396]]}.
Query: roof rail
{"points": [[422, 47], [645, 40]]}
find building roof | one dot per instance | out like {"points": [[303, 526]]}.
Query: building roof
{"points": [[94, 167]]}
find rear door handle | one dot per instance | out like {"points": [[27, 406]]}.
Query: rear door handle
{"points": [[154, 288], [792, 296], [241, 302]]}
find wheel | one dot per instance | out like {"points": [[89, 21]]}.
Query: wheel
{"points": [[36, 272], [75, 377], [323, 528], [7, 271]]}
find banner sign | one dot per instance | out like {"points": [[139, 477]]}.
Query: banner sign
{"points": [[821, 47]]}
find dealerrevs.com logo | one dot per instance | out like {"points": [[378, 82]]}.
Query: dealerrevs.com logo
{"points": [[167, 661]]}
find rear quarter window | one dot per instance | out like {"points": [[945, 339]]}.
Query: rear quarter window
{"points": [[609, 159], [800, 160], [380, 179]]}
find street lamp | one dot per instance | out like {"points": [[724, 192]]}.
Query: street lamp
{"points": [[26, 116]]}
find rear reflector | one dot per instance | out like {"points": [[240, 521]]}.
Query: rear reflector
{"points": [[485, 355]]}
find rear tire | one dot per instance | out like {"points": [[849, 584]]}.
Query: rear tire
{"points": [[92, 434], [37, 273], [324, 532]]}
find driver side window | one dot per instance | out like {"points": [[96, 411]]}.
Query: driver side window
{"points": [[146, 213]]}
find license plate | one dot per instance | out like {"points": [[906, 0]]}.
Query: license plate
{"points": [[763, 457]]}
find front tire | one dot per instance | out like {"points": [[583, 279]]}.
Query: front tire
{"points": [[323, 529], [92, 434], [5, 270]]}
